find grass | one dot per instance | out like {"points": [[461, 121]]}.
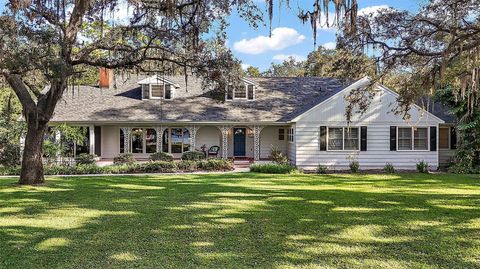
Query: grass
{"points": [[242, 220]]}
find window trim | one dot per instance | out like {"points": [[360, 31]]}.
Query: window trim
{"points": [[343, 139], [164, 93], [144, 141], [413, 139], [449, 140], [291, 135], [246, 84]]}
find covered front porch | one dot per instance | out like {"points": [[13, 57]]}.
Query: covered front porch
{"points": [[237, 141]]}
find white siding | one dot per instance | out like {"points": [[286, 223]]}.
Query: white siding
{"points": [[110, 141], [378, 119], [209, 136], [269, 140]]}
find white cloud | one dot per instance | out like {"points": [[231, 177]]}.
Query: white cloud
{"points": [[245, 66], [283, 57], [329, 45], [372, 10], [281, 38]]}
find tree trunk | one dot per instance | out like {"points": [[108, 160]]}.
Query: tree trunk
{"points": [[32, 166]]}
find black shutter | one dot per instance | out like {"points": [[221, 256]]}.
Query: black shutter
{"points": [[363, 138], [98, 140], [433, 138], [453, 138], [393, 138], [323, 138]]}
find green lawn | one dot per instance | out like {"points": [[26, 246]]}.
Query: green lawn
{"points": [[242, 220]]}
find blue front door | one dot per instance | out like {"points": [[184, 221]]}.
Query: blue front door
{"points": [[239, 141]]}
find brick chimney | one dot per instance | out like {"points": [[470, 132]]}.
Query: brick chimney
{"points": [[105, 78]]}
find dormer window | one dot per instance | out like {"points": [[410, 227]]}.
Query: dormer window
{"points": [[163, 91], [157, 88], [244, 91]]}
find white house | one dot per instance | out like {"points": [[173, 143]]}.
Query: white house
{"points": [[303, 117]]}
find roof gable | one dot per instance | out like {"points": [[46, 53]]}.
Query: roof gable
{"points": [[417, 111]]}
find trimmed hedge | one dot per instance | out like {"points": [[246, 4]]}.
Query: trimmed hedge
{"points": [[149, 167], [161, 156], [273, 168], [124, 158], [193, 156], [85, 158]]}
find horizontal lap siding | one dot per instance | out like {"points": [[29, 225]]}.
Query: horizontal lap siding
{"points": [[378, 118], [309, 156], [269, 140], [445, 156]]}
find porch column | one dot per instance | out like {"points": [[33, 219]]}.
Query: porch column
{"points": [[58, 141], [126, 138], [224, 130], [160, 130], [256, 141], [193, 134], [91, 138]]}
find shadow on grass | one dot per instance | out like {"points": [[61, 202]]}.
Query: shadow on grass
{"points": [[242, 220]]}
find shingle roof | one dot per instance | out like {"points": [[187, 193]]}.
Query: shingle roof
{"points": [[277, 100]]}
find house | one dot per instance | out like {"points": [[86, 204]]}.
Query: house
{"points": [[303, 117]]}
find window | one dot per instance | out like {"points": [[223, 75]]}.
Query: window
{"points": [[405, 138], [245, 91], [281, 134], [444, 138], [168, 91], [351, 139], [250, 92], [150, 141], [335, 138], [157, 91], [343, 138], [122, 141], [160, 91], [240, 92], [136, 138], [146, 91], [420, 141], [412, 138], [180, 140], [290, 135]]}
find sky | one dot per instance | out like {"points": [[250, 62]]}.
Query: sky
{"points": [[290, 37]]}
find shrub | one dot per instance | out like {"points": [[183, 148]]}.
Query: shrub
{"points": [[277, 156], [273, 168], [422, 167], [354, 166], [321, 169], [85, 158], [389, 169], [161, 156], [193, 156], [158, 167], [124, 158], [9, 155], [85, 169], [59, 170], [10, 170], [215, 165], [187, 166]]}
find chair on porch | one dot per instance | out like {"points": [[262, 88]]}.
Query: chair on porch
{"points": [[213, 151]]}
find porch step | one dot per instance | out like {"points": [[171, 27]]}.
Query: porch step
{"points": [[242, 163]]}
